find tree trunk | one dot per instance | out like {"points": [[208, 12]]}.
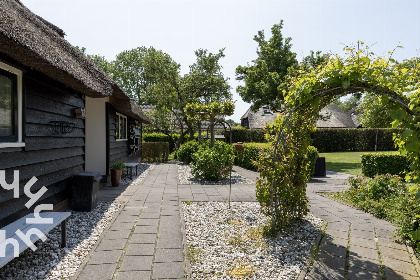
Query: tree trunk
{"points": [[199, 132], [212, 120]]}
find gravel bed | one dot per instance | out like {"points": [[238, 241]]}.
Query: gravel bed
{"points": [[50, 261], [228, 244], [185, 177]]}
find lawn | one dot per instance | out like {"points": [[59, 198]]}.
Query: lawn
{"points": [[344, 162]]}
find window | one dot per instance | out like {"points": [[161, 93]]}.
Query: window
{"points": [[121, 127], [10, 106], [267, 111]]}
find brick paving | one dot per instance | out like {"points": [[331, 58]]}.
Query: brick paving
{"points": [[146, 240]]}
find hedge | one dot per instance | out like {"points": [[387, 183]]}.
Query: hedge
{"points": [[384, 163], [245, 135], [353, 139], [251, 151], [155, 151]]}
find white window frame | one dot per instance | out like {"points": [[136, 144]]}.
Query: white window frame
{"points": [[18, 74], [118, 127]]}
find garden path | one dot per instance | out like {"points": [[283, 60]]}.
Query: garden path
{"points": [[146, 240]]}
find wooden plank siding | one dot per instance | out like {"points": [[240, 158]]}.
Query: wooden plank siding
{"points": [[116, 150], [52, 158]]}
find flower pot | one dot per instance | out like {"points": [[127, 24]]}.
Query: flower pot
{"points": [[116, 177]]}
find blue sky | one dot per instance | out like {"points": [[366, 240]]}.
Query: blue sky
{"points": [[179, 28]]}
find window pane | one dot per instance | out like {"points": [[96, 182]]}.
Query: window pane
{"points": [[124, 128], [6, 107]]}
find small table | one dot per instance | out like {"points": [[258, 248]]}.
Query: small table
{"points": [[131, 165]]}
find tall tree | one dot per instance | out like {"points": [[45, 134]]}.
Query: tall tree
{"points": [[372, 113], [132, 74], [267, 72], [205, 83]]}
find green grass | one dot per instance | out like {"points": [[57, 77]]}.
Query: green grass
{"points": [[344, 162]]}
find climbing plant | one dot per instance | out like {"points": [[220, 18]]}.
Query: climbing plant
{"points": [[284, 172]]}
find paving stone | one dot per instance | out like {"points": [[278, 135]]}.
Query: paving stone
{"points": [[169, 242], [370, 235], [111, 244], [97, 272], [361, 274], [135, 249], [321, 271], [364, 252], [333, 261], [398, 275], [168, 270], [131, 275], [356, 241], [392, 253], [147, 222], [143, 238], [362, 262], [117, 234], [133, 263], [150, 215], [169, 255], [121, 226], [106, 257], [332, 249], [399, 266], [391, 243], [146, 229]]}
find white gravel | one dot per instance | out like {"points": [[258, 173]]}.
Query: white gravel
{"points": [[227, 244], [185, 177]]}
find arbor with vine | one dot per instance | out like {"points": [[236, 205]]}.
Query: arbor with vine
{"points": [[281, 189]]}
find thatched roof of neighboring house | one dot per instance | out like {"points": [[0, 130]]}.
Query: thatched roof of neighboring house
{"points": [[38, 44], [338, 118], [258, 119]]}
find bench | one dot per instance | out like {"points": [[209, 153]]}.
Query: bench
{"points": [[131, 165], [10, 230]]}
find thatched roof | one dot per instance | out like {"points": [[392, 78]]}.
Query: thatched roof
{"points": [[38, 44], [338, 118], [258, 119]]}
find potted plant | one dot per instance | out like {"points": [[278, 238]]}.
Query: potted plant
{"points": [[116, 172]]}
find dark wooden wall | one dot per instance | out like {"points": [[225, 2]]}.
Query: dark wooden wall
{"points": [[52, 158], [117, 150]]}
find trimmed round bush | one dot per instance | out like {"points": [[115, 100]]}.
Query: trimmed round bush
{"points": [[214, 163], [186, 151]]}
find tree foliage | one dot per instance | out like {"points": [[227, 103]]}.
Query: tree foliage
{"points": [[151, 76], [266, 73], [285, 171], [372, 113]]}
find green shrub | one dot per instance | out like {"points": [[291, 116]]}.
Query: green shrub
{"points": [[389, 198], [384, 163], [312, 156], [212, 163], [248, 157], [353, 139], [245, 135], [186, 151], [155, 151]]}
